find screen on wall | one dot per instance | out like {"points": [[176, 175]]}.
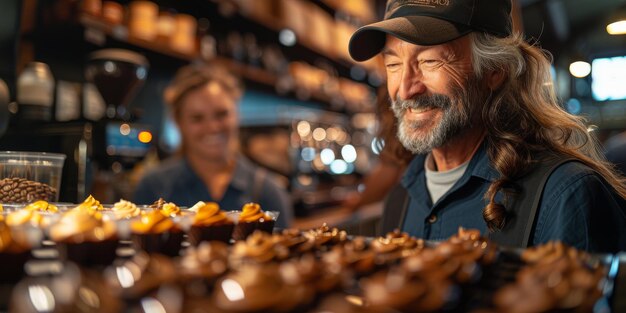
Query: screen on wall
{"points": [[608, 78]]}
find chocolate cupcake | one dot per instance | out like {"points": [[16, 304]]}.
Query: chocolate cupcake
{"points": [[257, 248], [325, 236], [15, 250], [155, 232], [82, 236], [294, 241], [210, 223], [354, 256], [395, 246], [253, 218]]}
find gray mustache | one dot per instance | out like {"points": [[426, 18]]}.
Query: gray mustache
{"points": [[423, 102]]}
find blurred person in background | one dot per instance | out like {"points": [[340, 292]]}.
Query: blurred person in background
{"points": [[494, 149], [209, 166]]}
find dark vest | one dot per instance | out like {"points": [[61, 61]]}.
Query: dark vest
{"points": [[521, 213]]}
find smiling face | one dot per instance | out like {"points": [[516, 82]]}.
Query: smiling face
{"points": [[208, 123], [432, 89]]}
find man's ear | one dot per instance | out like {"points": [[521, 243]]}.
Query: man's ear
{"points": [[495, 79]]}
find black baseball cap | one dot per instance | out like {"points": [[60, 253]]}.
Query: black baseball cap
{"points": [[431, 22]]}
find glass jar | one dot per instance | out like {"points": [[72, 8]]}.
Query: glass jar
{"points": [[35, 92]]}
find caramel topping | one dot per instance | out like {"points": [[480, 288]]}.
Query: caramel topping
{"points": [[125, 209], [22, 217], [208, 214], [90, 205], [170, 209], [42, 206], [258, 248], [154, 222], [326, 235], [251, 212], [82, 225]]}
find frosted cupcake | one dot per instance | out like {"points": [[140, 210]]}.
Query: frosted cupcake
{"points": [[155, 232], [210, 223], [85, 238], [253, 218]]}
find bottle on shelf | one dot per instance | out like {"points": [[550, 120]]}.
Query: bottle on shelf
{"points": [[35, 92]]}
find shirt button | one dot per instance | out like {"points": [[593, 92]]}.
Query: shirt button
{"points": [[432, 219]]}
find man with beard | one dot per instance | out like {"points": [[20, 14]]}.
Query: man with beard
{"points": [[494, 149]]}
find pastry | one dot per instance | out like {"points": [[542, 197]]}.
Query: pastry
{"points": [[253, 218], [155, 232], [84, 237], [210, 223]]}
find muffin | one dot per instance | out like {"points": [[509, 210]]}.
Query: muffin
{"points": [[14, 252], [84, 237], [210, 223], [155, 232], [253, 218]]}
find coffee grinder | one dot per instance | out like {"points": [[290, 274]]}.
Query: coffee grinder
{"points": [[118, 141]]}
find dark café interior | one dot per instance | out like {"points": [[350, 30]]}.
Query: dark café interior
{"points": [[254, 156]]}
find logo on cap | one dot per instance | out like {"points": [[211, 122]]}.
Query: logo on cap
{"points": [[394, 4]]}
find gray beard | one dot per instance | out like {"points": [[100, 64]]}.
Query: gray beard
{"points": [[415, 135]]}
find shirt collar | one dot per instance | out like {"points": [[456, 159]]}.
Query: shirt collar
{"points": [[479, 166], [242, 176]]}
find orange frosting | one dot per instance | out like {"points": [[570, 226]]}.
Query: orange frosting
{"points": [[90, 205], [41, 205], [153, 222], [208, 214], [23, 216], [82, 225], [251, 212], [170, 209]]}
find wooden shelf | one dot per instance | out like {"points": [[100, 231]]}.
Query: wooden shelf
{"points": [[98, 30], [120, 33]]}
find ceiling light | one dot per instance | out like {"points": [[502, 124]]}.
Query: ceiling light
{"points": [[617, 28], [580, 69]]}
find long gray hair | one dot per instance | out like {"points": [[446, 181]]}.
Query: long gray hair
{"points": [[524, 117]]}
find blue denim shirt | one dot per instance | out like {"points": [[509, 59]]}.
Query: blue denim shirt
{"points": [[577, 206], [174, 180]]}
